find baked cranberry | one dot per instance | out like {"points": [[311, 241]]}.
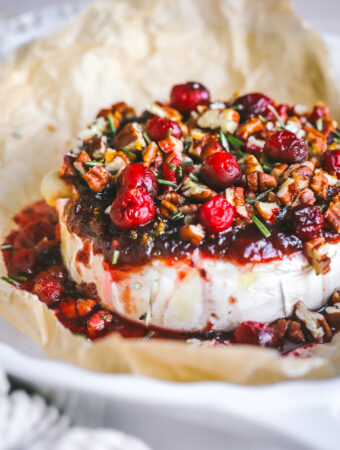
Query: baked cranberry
{"points": [[220, 170], [132, 209], [319, 111], [97, 322], [256, 333], [306, 221], [136, 176], [49, 290], [254, 104], [85, 306], [23, 261], [186, 97], [158, 128], [216, 215], [331, 162], [284, 146], [68, 307]]}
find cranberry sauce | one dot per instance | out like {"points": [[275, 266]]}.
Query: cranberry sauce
{"points": [[33, 260]]}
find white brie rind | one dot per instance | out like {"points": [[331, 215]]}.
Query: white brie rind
{"points": [[177, 296]]}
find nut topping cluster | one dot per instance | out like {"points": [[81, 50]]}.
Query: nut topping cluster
{"points": [[213, 167]]}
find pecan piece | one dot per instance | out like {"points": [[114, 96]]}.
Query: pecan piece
{"points": [[204, 145], [226, 119], [118, 111], [193, 233], [287, 191], [305, 197], [168, 209], [98, 178], [279, 170], [235, 196], [252, 165], [79, 163], [130, 138], [115, 161], [317, 142], [333, 315], [281, 326], [249, 127], [332, 215], [319, 183], [198, 191], [67, 168], [336, 297], [149, 154], [314, 252], [315, 322], [164, 111], [268, 211], [295, 333]]}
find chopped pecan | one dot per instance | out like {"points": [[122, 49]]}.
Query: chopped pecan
{"points": [[67, 168], [252, 165], [314, 252], [287, 191], [164, 111], [332, 215], [193, 233], [305, 197], [267, 210], [168, 209], [254, 145], [226, 119], [190, 209], [333, 315], [336, 297], [279, 170], [149, 154], [295, 333], [315, 322], [235, 196], [79, 163], [328, 126], [115, 161], [317, 141], [98, 178], [130, 138], [281, 326], [173, 147], [198, 191], [260, 181], [320, 182], [204, 145], [118, 111], [249, 127]]}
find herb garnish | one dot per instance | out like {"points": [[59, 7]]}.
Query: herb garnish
{"points": [[112, 128], [115, 257], [148, 336], [146, 137], [168, 134], [6, 246], [143, 316], [259, 197], [169, 183], [319, 124], [193, 177], [11, 280], [273, 110], [261, 226], [80, 335], [224, 141], [268, 167], [93, 163], [234, 141], [177, 216]]}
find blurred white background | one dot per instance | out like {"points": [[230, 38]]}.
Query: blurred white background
{"points": [[323, 15]]}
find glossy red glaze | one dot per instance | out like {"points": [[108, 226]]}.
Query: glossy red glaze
{"points": [[186, 97], [220, 170]]}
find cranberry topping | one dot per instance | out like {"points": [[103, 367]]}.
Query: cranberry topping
{"points": [[31, 233], [132, 209], [158, 128], [220, 170], [136, 176], [256, 333], [306, 221], [186, 97], [216, 215], [254, 104], [49, 290], [319, 111], [284, 146], [68, 307], [23, 261], [98, 321], [331, 162]]}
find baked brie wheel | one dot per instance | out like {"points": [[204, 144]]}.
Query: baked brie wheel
{"points": [[200, 217]]}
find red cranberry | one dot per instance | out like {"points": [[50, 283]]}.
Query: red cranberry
{"points": [[186, 97], [331, 162], [23, 261], [306, 221], [319, 111], [68, 307], [136, 176], [132, 209], [256, 333], [97, 322], [84, 307], [220, 170], [158, 128], [284, 146], [216, 215], [253, 105], [49, 290]]}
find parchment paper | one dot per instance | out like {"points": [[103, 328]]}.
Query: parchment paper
{"points": [[135, 51]]}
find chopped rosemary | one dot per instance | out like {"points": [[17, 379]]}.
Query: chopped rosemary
{"points": [[11, 280], [169, 183], [127, 152], [177, 216], [234, 141], [264, 230], [337, 133], [172, 167], [237, 107], [193, 177], [20, 277], [143, 316], [268, 167], [239, 153], [224, 141], [187, 163], [187, 144], [180, 171], [93, 163], [148, 336], [80, 335], [273, 110], [168, 134], [112, 128], [146, 137], [261, 118], [6, 246], [319, 124], [322, 207], [259, 197], [115, 257]]}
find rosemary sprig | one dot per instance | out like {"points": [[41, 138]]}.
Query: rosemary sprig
{"points": [[80, 335], [11, 280], [129, 153], [278, 118], [180, 171], [234, 141], [261, 226], [177, 216], [187, 163], [169, 183], [93, 163], [19, 277], [143, 316], [224, 141], [268, 167], [115, 257], [168, 134], [6, 246], [112, 128], [193, 177], [148, 336], [146, 137], [319, 124], [337, 133], [259, 197]]}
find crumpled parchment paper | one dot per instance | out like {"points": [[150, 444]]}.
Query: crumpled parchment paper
{"points": [[135, 51]]}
